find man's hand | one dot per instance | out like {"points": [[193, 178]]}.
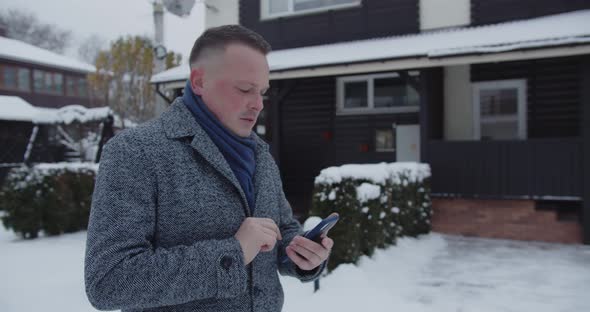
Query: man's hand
{"points": [[256, 235], [307, 254]]}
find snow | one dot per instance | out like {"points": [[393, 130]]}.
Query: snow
{"points": [[41, 170], [15, 108], [181, 72], [72, 113], [560, 29], [20, 51], [550, 31], [367, 191], [46, 167], [431, 273], [311, 222], [377, 173]]}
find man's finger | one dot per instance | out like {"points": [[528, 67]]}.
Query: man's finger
{"points": [[297, 259], [328, 243], [307, 254], [312, 246], [270, 224]]}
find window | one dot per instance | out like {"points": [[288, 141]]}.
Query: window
{"points": [[14, 78], [384, 140], [47, 82], [380, 93], [278, 8], [500, 110], [76, 86]]}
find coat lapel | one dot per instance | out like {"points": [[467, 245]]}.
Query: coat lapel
{"points": [[261, 178], [179, 122]]}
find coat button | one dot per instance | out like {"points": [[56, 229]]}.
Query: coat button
{"points": [[226, 262]]}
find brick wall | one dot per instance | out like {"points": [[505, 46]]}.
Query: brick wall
{"points": [[507, 219]]}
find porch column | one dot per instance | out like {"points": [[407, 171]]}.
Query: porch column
{"points": [[585, 135], [431, 108]]}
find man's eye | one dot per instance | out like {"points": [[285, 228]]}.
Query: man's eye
{"points": [[244, 90]]}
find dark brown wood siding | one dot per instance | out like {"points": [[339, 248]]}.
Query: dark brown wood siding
{"points": [[313, 137], [495, 11], [49, 100], [374, 18], [499, 169], [553, 92], [585, 129], [305, 114]]}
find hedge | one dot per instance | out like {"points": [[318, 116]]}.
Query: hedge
{"points": [[53, 198], [377, 204]]}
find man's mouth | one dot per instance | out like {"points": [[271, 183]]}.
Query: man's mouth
{"points": [[250, 119]]}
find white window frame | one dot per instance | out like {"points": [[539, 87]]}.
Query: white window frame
{"points": [[266, 15], [520, 85], [370, 109]]}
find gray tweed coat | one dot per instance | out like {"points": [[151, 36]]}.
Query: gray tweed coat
{"points": [[165, 209]]}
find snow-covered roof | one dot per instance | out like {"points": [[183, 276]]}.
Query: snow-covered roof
{"points": [[549, 31], [16, 50], [15, 108], [72, 113], [180, 72]]}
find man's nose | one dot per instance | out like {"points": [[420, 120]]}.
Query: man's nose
{"points": [[257, 103]]}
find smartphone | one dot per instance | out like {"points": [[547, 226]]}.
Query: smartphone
{"points": [[318, 232]]}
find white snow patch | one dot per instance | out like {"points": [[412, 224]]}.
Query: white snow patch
{"points": [[332, 195], [17, 109], [367, 191], [377, 173], [430, 273], [23, 52], [311, 222]]}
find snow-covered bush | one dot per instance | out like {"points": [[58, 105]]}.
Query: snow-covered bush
{"points": [[377, 203], [53, 198]]}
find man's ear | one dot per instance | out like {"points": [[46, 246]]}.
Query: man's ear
{"points": [[196, 80]]}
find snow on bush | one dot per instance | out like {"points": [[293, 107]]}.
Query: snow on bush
{"points": [[377, 203], [53, 198]]}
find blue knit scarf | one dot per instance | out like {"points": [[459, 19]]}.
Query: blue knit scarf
{"points": [[239, 152]]}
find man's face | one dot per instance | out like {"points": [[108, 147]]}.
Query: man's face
{"points": [[232, 86]]}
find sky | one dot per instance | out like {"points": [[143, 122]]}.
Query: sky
{"points": [[111, 19]]}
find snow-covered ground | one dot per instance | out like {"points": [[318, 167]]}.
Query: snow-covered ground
{"points": [[433, 273]]}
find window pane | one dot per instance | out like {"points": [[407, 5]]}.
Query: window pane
{"points": [[499, 102], [70, 86], [82, 87], [301, 5], [278, 6], [499, 130], [58, 83], [384, 140], [38, 80], [24, 79], [394, 92], [9, 77], [48, 82], [355, 94]]}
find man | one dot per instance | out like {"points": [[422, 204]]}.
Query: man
{"points": [[188, 212]]}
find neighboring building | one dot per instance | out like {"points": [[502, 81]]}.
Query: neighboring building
{"points": [[41, 77], [41, 94], [493, 94]]}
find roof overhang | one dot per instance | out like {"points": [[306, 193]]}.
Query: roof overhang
{"points": [[426, 62], [558, 35]]}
